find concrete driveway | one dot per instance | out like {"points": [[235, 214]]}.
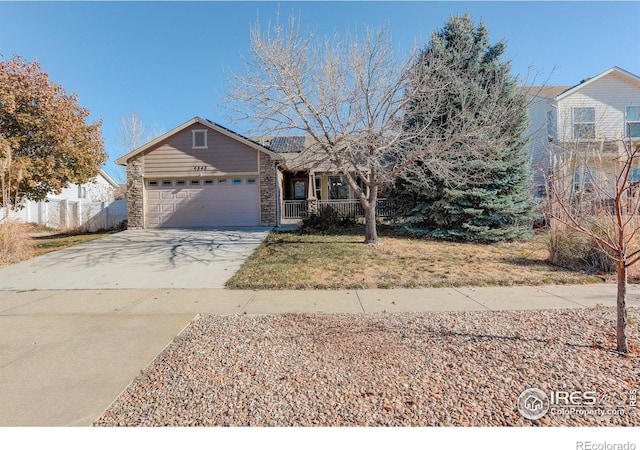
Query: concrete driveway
{"points": [[140, 259]]}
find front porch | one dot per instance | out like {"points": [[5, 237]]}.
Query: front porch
{"points": [[328, 190], [299, 209]]}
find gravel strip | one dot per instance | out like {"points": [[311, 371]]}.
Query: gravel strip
{"points": [[410, 369]]}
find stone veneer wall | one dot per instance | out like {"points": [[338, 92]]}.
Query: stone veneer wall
{"points": [[267, 191], [135, 194]]}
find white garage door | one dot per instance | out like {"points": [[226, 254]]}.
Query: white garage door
{"points": [[183, 203]]}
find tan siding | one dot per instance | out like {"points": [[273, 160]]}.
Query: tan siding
{"points": [[609, 95], [176, 156]]}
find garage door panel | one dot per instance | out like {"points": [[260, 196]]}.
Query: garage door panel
{"points": [[203, 205]]}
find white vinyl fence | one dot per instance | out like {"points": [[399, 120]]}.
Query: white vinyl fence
{"points": [[72, 215]]}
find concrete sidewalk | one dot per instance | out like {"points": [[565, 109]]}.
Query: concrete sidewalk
{"points": [[66, 355]]}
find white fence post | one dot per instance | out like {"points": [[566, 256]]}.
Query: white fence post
{"points": [[64, 214]]}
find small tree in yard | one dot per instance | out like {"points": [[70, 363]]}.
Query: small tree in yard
{"points": [[350, 94], [45, 140], [604, 207], [491, 201]]}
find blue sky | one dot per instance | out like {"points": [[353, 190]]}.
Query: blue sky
{"points": [[169, 61]]}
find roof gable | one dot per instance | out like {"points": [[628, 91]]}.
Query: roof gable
{"points": [[615, 71], [108, 179], [207, 123]]}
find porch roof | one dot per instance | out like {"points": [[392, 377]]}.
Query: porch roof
{"points": [[297, 153]]}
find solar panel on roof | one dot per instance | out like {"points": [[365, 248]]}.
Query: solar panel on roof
{"points": [[287, 144]]}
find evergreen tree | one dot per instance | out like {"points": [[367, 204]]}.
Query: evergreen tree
{"points": [[490, 200]]}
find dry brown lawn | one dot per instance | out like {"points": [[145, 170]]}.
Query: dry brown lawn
{"points": [[297, 261]]}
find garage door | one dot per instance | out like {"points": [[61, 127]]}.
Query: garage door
{"points": [[184, 203]]}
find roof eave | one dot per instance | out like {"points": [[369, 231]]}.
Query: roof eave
{"points": [[122, 161]]}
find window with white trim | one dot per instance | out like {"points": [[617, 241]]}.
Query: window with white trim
{"points": [[584, 122], [251, 181], [194, 182], [166, 182], [180, 183], [633, 121], [82, 192], [153, 182], [338, 188], [583, 178], [199, 138], [208, 182], [237, 181]]}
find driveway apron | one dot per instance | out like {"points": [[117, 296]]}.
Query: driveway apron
{"points": [[140, 259], [77, 325]]}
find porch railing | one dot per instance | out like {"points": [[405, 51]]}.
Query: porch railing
{"points": [[297, 209]]}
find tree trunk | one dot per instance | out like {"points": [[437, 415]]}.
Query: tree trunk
{"points": [[621, 325], [371, 230]]}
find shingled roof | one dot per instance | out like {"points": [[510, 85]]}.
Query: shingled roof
{"points": [[546, 91]]}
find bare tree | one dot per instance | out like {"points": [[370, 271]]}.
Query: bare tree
{"points": [[132, 134], [596, 193], [351, 95]]}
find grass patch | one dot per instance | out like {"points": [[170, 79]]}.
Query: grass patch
{"points": [[47, 244], [292, 260]]}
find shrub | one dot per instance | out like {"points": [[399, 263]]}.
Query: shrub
{"points": [[15, 242], [326, 220], [576, 251]]}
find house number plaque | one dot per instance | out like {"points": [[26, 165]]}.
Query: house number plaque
{"points": [[199, 168]]}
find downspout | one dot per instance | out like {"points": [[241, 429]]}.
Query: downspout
{"points": [[277, 181]]}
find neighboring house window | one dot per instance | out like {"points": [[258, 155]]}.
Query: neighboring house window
{"points": [[318, 187], [82, 192], [338, 188], [551, 126], [199, 138], [633, 121], [634, 175], [584, 123], [583, 179]]}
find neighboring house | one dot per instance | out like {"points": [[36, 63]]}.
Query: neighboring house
{"points": [[202, 174], [583, 126], [89, 206], [100, 189]]}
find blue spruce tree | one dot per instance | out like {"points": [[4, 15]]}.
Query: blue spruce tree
{"points": [[488, 199]]}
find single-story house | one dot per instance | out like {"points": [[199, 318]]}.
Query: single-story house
{"points": [[202, 174]]}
